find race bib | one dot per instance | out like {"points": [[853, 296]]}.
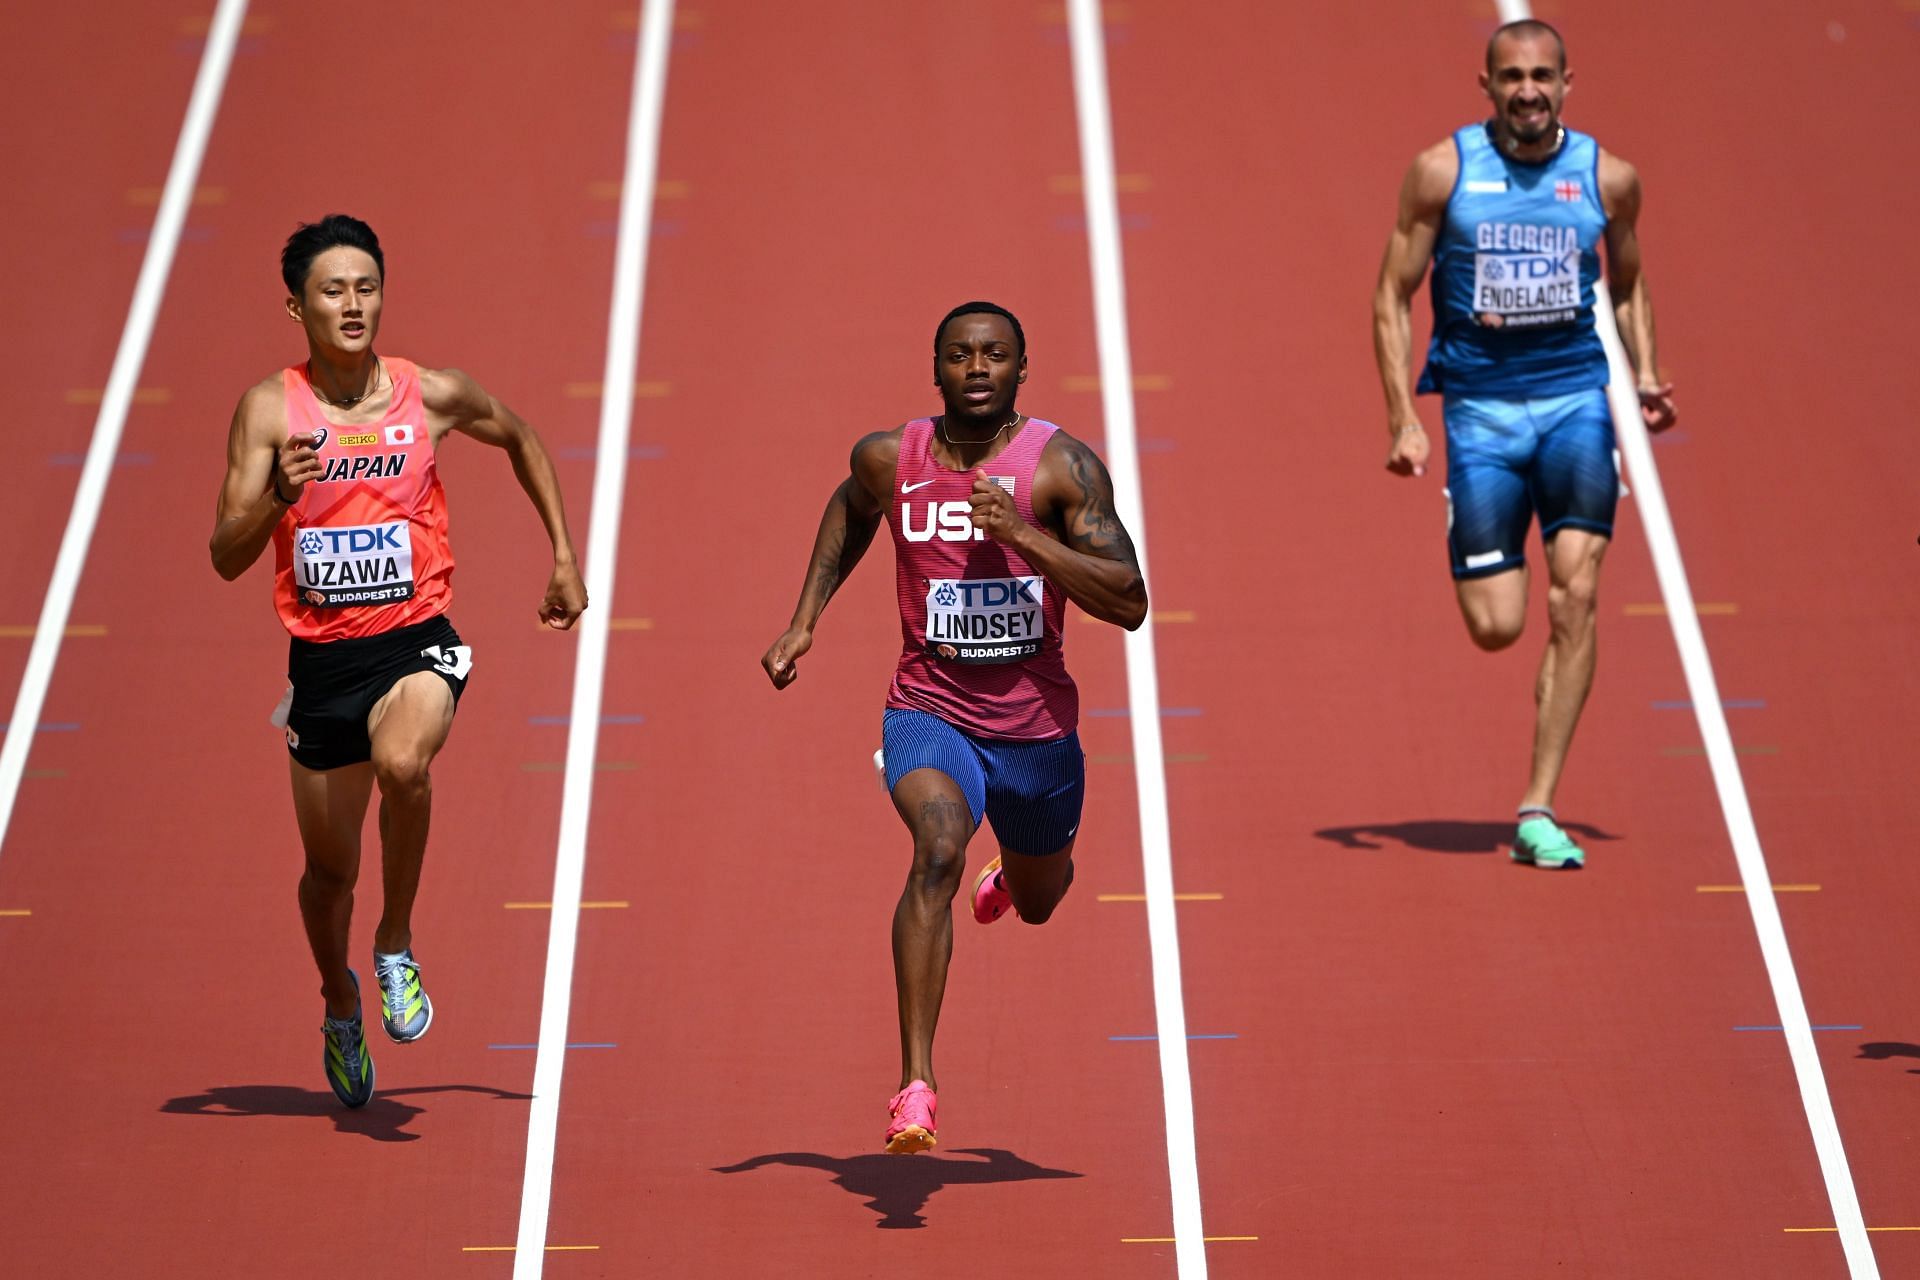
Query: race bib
{"points": [[985, 619], [368, 564], [1514, 290]]}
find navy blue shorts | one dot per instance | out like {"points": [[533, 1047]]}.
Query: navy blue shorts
{"points": [[1030, 791], [1507, 459]]}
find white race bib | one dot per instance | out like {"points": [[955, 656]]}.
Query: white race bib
{"points": [[985, 619], [1526, 289], [365, 564]]}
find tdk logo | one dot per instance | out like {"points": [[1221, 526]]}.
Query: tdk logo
{"points": [[351, 541], [996, 593], [1544, 268], [953, 521]]}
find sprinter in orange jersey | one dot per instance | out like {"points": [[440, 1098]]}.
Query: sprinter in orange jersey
{"points": [[332, 461]]}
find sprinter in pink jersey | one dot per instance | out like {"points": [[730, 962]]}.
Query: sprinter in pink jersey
{"points": [[997, 520], [332, 461]]}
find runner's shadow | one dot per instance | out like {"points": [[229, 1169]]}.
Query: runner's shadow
{"points": [[1892, 1049], [1444, 835], [898, 1187], [384, 1119]]}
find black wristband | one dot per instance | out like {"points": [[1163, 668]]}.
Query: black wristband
{"points": [[280, 497]]}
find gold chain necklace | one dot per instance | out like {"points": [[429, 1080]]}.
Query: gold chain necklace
{"points": [[372, 387], [940, 425]]}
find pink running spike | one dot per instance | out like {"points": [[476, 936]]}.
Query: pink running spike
{"points": [[990, 897], [913, 1127]]}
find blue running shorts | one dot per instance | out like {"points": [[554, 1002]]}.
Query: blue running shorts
{"points": [[1030, 791], [1508, 459]]}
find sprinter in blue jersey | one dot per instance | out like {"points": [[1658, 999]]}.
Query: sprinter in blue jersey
{"points": [[1512, 213]]}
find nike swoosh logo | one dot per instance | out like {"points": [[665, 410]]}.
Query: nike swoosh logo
{"points": [[909, 488]]}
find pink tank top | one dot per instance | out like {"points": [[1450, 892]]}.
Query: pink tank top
{"points": [[365, 549], [980, 628]]}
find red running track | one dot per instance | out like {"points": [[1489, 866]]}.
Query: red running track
{"points": [[1444, 1065]]}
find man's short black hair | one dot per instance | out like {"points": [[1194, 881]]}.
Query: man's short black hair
{"points": [[315, 238], [980, 308], [1527, 28]]}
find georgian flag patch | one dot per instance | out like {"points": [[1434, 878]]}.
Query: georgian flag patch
{"points": [[1566, 191]]}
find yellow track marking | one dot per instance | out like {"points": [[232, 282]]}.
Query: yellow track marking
{"points": [[641, 390], [1706, 609], [1739, 751], [149, 197], [510, 1248], [13, 632], [1740, 888]]}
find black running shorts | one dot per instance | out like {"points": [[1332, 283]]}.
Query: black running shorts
{"points": [[334, 684]]}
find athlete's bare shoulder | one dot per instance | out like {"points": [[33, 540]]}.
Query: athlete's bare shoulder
{"points": [[452, 393], [874, 459], [1619, 186], [1062, 451], [1430, 178], [1064, 470], [261, 415]]}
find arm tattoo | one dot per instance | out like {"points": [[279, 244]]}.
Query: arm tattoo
{"points": [[1093, 527], [840, 548]]}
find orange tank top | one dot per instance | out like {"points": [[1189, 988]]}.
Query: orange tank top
{"points": [[365, 549]]}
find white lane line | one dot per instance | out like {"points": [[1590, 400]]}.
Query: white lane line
{"points": [[609, 484], [1086, 33], [1754, 877], [202, 105]]}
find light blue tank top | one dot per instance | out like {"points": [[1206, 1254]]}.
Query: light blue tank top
{"points": [[1513, 273]]}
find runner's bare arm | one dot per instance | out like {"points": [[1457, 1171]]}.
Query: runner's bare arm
{"points": [[455, 402], [846, 531], [1093, 560], [262, 480], [1423, 204], [1632, 307]]}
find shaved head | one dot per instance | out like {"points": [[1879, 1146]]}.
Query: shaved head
{"points": [[1527, 29]]}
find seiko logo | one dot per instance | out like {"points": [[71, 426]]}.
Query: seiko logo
{"points": [[950, 521]]}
